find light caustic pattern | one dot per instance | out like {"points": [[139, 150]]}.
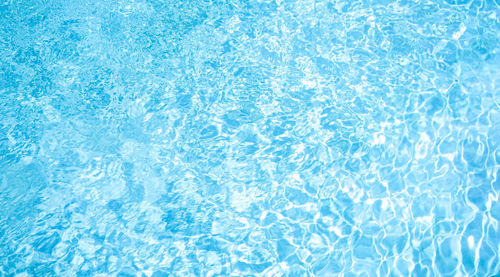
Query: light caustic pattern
{"points": [[249, 138]]}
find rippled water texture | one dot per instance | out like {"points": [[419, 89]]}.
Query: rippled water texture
{"points": [[249, 138]]}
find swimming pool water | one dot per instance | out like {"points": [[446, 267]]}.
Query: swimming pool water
{"points": [[249, 138]]}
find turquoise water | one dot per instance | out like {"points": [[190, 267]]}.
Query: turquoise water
{"points": [[249, 138]]}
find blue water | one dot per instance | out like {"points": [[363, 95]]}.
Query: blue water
{"points": [[249, 138]]}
